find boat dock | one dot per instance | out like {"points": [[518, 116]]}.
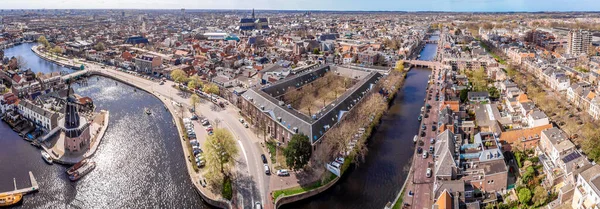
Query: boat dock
{"points": [[34, 187]]}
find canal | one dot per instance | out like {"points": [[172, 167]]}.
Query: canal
{"points": [[379, 179], [32, 60], [140, 163]]}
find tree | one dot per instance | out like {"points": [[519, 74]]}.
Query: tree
{"points": [[464, 95], [21, 62], [211, 88], [540, 196], [42, 40], [316, 51], [194, 100], [493, 92], [179, 76], [221, 151], [399, 66], [57, 50], [192, 85], [99, 46], [197, 81], [524, 195], [297, 153]]}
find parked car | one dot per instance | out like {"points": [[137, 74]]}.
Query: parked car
{"points": [[419, 150], [257, 205], [241, 120], [423, 127], [428, 173], [283, 172], [205, 122], [264, 158], [431, 149], [245, 125], [203, 182], [425, 155], [433, 128], [267, 170], [432, 141]]}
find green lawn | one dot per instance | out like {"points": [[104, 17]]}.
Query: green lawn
{"points": [[272, 150], [300, 189]]}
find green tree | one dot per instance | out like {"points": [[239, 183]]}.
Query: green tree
{"points": [[42, 40], [194, 100], [221, 151], [99, 46], [479, 80], [464, 95], [57, 50], [211, 88], [524, 195], [540, 196], [297, 153], [316, 51], [399, 66], [179, 76], [493, 92]]}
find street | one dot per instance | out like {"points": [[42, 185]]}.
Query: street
{"points": [[251, 180]]}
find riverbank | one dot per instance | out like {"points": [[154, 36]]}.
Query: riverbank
{"points": [[142, 84], [389, 87]]}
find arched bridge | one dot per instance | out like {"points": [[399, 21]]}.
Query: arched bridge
{"points": [[424, 63]]}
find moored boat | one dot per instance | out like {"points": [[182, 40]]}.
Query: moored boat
{"points": [[82, 171], [415, 139], [46, 157], [78, 165], [147, 111], [8, 200], [420, 117]]}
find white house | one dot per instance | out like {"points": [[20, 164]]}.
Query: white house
{"points": [[537, 118], [41, 117], [586, 195]]}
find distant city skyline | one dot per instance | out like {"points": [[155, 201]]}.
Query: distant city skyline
{"points": [[338, 5]]}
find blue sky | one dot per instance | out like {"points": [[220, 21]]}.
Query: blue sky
{"points": [[368, 5]]}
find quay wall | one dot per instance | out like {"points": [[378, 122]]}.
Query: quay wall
{"points": [[214, 202]]}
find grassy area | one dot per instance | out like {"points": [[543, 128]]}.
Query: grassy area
{"points": [[399, 202], [227, 190], [494, 55], [272, 150], [300, 189]]}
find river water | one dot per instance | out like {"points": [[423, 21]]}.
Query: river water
{"points": [[379, 179], [140, 162], [33, 61]]}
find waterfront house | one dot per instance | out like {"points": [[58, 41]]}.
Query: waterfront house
{"points": [[41, 117]]}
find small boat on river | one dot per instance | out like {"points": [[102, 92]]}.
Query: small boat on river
{"points": [[82, 171], [415, 139], [78, 165], [46, 157], [8, 200], [147, 111]]}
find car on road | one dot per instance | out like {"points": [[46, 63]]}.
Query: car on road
{"points": [[419, 150], [257, 205], [264, 158], [267, 170], [203, 182], [431, 149], [422, 133], [423, 127], [245, 125], [425, 155], [432, 141], [205, 122], [283, 172], [428, 173], [241, 120]]}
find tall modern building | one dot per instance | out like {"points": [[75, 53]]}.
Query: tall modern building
{"points": [[579, 42]]}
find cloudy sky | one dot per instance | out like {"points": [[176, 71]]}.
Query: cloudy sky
{"points": [[368, 5]]}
